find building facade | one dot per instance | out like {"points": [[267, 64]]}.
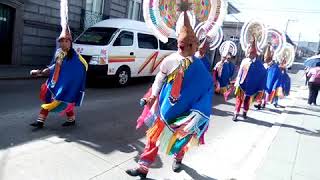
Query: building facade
{"points": [[29, 28]]}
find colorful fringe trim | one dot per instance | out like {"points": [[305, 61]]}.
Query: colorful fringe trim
{"points": [[155, 131], [172, 139], [59, 107], [276, 93], [176, 86], [228, 92]]}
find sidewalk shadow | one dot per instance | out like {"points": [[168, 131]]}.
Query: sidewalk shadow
{"points": [[316, 108], [218, 112], [274, 110], [293, 127], [269, 125], [301, 113], [257, 122], [194, 174], [219, 99], [311, 133], [304, 98]]}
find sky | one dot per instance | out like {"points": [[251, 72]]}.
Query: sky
{"points": [[303, 16]]}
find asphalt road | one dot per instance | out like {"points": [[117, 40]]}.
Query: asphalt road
{"points": [[106, 122]]}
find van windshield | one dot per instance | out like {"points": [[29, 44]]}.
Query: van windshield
{"points": [[96, 36]]}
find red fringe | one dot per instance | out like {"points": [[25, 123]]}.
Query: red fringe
{"points": [[177, 84], [154, 132]]}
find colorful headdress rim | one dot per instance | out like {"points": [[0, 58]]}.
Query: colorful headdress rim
{"points": [[228, 47], [162, 15]]}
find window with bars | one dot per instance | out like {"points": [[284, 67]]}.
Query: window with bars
{"points": [[93, 12], [95, 6], [135, 9]]}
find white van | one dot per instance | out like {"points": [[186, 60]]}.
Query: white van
{"points": [[122, 48]]}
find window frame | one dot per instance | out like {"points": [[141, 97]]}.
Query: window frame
{"points": [[126, 31], [138, 42], [133, 6], [176, 48]]}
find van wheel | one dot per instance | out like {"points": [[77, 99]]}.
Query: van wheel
{"points": [[123, 77]]}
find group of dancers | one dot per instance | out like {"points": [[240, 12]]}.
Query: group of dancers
{"points": [[261, 80], [178, 106]]}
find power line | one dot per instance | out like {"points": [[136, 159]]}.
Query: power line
{"points": [[302, 11]]}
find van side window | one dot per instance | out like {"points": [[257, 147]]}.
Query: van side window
{"points": [[147, 41], [125, 38], [170, 45]]}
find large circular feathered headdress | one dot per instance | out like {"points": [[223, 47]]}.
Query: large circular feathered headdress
{"points": [[253, 30], [165, 17], [277, 39], [287, 55], [228, 47]]}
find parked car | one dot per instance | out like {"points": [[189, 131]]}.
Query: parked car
{"points": [[122, 49]]}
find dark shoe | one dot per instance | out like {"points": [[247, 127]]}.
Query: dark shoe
{"points": [[69, 123], [245, 115], [263, 106], [235, 118], [37, 124], [276, 105], [136, 172], [258, 106], [176, 166]]}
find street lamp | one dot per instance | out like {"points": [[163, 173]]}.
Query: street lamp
{"points": [[289, 20]]}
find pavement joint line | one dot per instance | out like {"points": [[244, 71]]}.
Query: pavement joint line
{"points": [[295, 156], [260, 151], [33, 151], [277, 127], [83, 149], [113, 167]]}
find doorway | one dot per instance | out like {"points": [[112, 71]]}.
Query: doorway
{"points": [[6, 33]]}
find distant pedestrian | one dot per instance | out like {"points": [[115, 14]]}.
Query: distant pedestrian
{"points": [[314, 84]]}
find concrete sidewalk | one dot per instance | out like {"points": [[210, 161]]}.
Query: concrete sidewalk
{"points": [[294, 152]]}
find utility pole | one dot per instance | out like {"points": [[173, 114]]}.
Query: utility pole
{"points": [[292, 20], [298, 52], [319, 44]]}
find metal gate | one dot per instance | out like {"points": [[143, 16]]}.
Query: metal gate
{"points": [[6, 32]]}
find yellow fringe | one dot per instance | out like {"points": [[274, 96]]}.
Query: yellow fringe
{"points": [[51, 106], [172, 141], [84, 62], [237, 91], [172, 76], [193, 142], [279, 92]]}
